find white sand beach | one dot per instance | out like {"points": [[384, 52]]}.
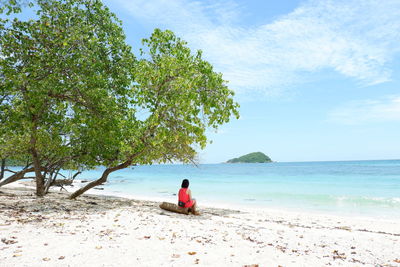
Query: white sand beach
{"points": [[110, 231]]}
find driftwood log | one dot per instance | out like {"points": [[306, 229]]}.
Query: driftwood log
{"points": [[62, 182], [174, 208]]}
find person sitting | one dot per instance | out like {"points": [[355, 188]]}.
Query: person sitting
{"points": [[185, 199]]}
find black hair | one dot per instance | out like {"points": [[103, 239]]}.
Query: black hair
{"points": [[185, 183]]}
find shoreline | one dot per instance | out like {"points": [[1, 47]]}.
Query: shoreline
{"points": [[100, 230], [250, 207], [104, 191], [279, 193]]}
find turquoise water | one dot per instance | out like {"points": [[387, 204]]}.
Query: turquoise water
{"points": [[369, 188]]}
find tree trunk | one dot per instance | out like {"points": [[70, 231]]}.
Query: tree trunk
{"points": [[36, 166], [3, 165], [15, 177], [38, 174], [49, 182], [101, 180]]}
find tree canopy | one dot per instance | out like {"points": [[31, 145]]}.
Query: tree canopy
{"points": [[73, 95], [62, 75], [178, 96]]}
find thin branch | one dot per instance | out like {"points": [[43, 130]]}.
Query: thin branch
{"points": [[8, 170]]}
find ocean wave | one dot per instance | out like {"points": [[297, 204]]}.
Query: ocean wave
{"points": [[330, 200], [369, 200]]}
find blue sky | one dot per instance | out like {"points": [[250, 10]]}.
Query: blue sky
{"points": [[316, 80]]}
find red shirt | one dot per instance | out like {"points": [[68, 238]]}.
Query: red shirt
{"points": [[185, 198]]}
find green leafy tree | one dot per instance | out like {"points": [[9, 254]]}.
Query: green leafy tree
{"points": [[64, 75], [74, 96], [176, 96]]}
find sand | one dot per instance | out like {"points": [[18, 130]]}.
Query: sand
{"points": [[99, 230]]}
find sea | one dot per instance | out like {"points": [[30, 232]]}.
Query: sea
{"points": [[356, 188]]}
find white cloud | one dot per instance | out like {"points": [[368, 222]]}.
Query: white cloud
{"points": [[368, 111], [355, 38]]}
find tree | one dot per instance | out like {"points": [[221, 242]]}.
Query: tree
{"points": [[179, 96], [64, 78], [72, 94]]}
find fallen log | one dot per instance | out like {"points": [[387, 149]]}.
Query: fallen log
{"points": [[61, 182], [174, 208]]}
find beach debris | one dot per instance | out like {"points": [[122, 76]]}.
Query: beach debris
{"points": [[251, 265], [192, 253], [175, 256], [9, 241], [355, 260], [46, 259], [197, 261], [147, 237], [99, 247], [17, 255], [281, 248], [174, 208], [61, 257], [248, 238], [106, 232], [337, 255], [397, 260], [347, 228]]}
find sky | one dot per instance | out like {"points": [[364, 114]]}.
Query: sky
{"points": [[316, 80]]}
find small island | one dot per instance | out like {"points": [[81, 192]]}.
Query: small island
{"points": [[255, 157]]}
